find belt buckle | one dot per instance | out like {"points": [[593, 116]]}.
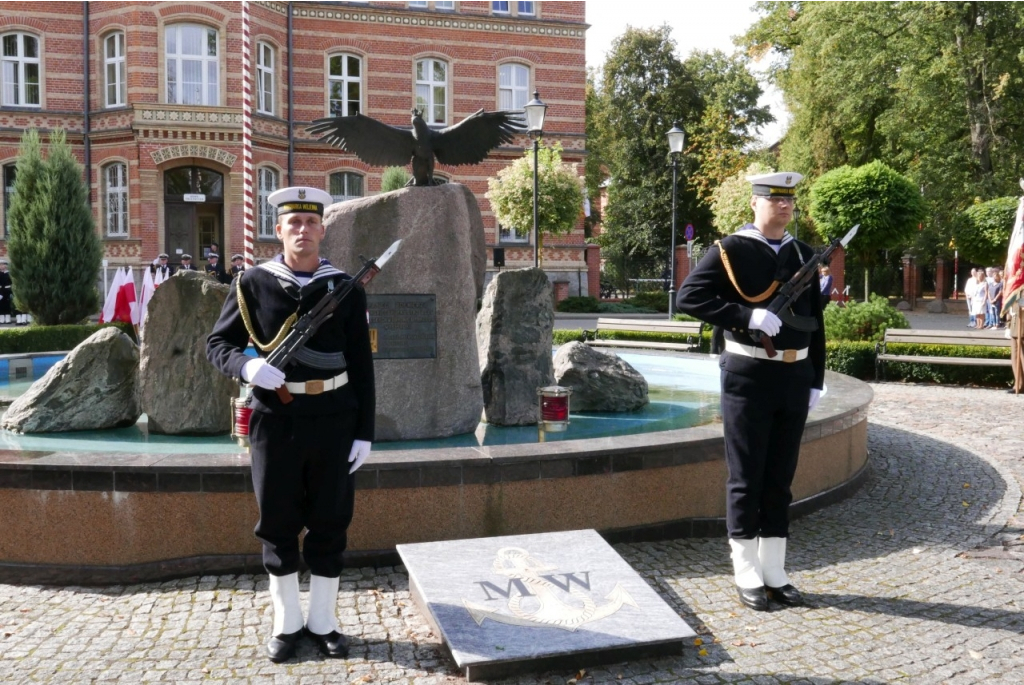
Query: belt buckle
{"points": [[317, 387], [789, 356]]}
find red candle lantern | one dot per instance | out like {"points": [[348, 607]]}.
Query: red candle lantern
{"points": [[240, 414], [554, 407]]}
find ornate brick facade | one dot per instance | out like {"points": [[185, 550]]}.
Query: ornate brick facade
{"points": [[152, 136]]}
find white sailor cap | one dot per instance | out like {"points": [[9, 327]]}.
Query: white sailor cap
{"points": [[300, 199], [781, 184]]}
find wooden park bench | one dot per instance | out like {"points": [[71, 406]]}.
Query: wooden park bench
{"points": [[989, 338], [691, 329]]}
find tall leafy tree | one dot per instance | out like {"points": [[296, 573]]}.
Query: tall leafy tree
{"points": [[887, 206], [983, 232], [54, 250]]}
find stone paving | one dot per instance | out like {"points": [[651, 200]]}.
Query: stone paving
{"points": [[918, 578]]}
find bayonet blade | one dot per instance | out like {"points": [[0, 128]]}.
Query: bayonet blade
{"points": [[849, 236], [388, 254]]}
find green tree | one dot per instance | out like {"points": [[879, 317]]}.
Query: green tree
{"points": [[887, 206], [54, 250], [983, 232], [393, 178], [559, 198], [24, 216], [933, 89]]}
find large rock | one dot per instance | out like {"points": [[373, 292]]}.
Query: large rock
{"points": [[513, 332], [94, 387], [600, 381], [442, 263], [181, 392]]}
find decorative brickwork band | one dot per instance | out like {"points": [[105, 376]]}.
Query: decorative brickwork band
{"points": [[247, 176], [166, 154]]}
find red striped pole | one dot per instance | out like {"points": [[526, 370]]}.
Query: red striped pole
{"points": [[248, 183]]}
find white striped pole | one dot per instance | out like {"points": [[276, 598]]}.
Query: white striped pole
{"points": [[248, 182]]}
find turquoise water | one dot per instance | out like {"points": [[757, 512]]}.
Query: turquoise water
{"points": [[683, 392]]}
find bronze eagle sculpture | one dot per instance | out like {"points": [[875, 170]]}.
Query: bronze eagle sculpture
{"points": [[379, 144]]}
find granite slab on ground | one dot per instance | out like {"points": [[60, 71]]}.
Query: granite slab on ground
{"points": [[523, 603]]}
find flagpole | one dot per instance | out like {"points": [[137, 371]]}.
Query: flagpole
{"points": [[247, 175]]}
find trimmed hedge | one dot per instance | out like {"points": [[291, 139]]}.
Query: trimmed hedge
{"points": [[51, 338], [857, 358], [585, 305]]}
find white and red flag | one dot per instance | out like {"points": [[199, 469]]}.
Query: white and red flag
{"points": [[109, 303], [126, 306], [1013, 274], [148, 288]]}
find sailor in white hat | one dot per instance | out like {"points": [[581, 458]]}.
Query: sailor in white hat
{"points": [[304, 453], [765, 400]]}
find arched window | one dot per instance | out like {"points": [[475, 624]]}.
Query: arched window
{"points": [[432, 90], [346, 185], [19, 70], [345, 85], [264, 78], [193, 65], [266, 219], [114, 70], [115, 199], [513, 86]]}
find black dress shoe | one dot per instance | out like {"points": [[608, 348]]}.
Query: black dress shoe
{"points": [[333, 644], [753, 598], [787, 594], [282, 647]]}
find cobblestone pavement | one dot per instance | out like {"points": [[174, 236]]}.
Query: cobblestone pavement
{"points": [[918, 578]]}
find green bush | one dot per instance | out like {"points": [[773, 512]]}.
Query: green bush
{"points": [[851, 358], [949, 374], [562, 336], [623, 308], [651, 299], [579, 305], [393, 178], [862, 321], [60, 338]]}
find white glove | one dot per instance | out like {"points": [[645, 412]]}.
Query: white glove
{"points": [[360, 451], [815, 396], [764, 320], [258, 372]]}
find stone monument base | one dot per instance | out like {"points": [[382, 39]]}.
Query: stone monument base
{"points": [[522, 603]]}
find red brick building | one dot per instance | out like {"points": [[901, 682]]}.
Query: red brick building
{"points": [[151, 97]]}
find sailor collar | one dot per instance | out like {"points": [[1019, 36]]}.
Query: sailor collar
{"points": [[282, 271], [750, 231]]}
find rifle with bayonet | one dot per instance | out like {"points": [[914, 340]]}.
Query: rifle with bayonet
{"points": [[792, 289], [303, 329]]}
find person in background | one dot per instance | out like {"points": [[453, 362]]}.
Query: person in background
{"points": [[826, 285], [237, 264], [186, 263], [979, 300], [6, 290], [995, 300], [970, 286]]}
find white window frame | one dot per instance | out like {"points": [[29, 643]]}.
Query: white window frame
{"points": [[117, 62], [115, 196], [14, 69], [502, 7], [418, 4], [346, 80], [209, 83], [522, 11], [511, 88], [265, 56], [266, 214], [425, 95], [8, 190], [346, 177], [509, 236], [445, 5]]}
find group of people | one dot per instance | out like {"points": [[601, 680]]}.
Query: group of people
{"points": [[162, 270], [983, 292], [8, 311]]}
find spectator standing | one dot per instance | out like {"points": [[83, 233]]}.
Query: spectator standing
{"points": [[970, 286], [826, 285], [995, 300], [979, 300], [6, 292]]}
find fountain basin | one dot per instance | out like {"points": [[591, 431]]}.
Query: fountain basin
{"points": [[118, 517]]}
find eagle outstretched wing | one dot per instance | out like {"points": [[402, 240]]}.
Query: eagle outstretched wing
{"points": [[373, 142], [469, 141]]}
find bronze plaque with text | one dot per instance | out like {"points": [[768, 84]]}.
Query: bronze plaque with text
{"points": [[403, 326]]}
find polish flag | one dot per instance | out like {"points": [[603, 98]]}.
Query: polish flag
{"points": [[148, 288], [109, 304], [126, 307]]}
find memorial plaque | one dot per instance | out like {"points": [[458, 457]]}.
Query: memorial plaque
{"points": [[524, 603], [403, 326]]}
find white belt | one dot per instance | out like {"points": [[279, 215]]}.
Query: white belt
{"points": [[760, 353], [318, 386]]}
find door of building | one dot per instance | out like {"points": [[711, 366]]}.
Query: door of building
{"points": [[193, 212]]}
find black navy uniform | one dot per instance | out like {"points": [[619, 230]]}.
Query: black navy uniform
{"points": [[764, 402], [300, 450], [6, 294]]}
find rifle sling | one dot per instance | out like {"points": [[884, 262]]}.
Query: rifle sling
{"points": [[281, 334], [732, 279]]}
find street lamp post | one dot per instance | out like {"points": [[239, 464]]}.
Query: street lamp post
{"points": [[535, 110], [676, 139]]}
